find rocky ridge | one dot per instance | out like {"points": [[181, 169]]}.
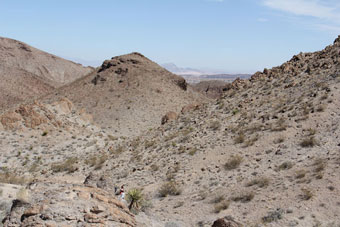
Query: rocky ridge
{"points": [[28, 73], [128, 94]]}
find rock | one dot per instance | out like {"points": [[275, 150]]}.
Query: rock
{"points": [[226, 222], [180, 82], [80, 210], [169, 116]]}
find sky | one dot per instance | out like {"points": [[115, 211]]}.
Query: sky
{"points": [[232, 36]]}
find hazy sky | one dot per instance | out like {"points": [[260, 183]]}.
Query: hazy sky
{"points": [[228, 35]]}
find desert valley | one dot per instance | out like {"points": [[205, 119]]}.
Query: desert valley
{"points": [[263, 151]]}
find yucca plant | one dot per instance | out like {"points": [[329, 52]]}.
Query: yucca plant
{"points": [[134, 197]]}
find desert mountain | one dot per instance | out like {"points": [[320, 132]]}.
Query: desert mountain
{"points": [[129, 93], [27, 72], [266, 153]]}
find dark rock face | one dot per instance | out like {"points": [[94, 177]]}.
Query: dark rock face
{"points": [[181, 83]]}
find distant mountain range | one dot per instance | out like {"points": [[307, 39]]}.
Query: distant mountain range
{"points": [[195, 75]]}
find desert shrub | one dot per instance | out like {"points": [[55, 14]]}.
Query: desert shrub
{"points": [[192, 151], [308, 142], [320, 108], [280, 125], [299, 174], [12, 178], [239, 138], [273, 216], [148, 144], [223, 205], [281, 139], [215, 125], [218, 198], [251, 141], [243, 197], [154, 167], [66, 166], [235, 111], [260, 182], [34, 167], [233, 162], [311, 132], [307, 194], [285, 165], [319, 165], [169, 188]]}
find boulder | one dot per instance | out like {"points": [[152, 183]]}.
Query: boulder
{"points": [[226, 222]]}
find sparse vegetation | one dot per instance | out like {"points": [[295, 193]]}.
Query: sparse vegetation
{"points": [[307, 194], [285, 165], [308, 142], [299, 174], [11, 178], [233, 162], [65, 166], [260, 182], [243, 197], [240, 138], [273, 216], [169, 188], [222, 205], [215, 125]]}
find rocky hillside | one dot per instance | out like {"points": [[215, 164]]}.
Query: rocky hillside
{"points": [[264, 154], [129, 94], [27, 72]]}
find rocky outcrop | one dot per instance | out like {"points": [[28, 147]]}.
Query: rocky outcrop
{"points": [[53, 204], [326, 61], [37, 115]]}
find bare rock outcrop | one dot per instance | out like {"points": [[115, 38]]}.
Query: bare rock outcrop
{"points": [[53, 204]]}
